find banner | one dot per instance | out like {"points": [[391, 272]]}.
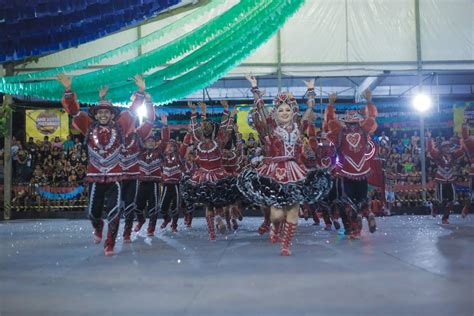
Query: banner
{"points": [[243, 123], [51, 123], [458, 115]]}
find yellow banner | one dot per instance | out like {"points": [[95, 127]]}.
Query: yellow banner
{"points": [[243, 123], [51, 123]]}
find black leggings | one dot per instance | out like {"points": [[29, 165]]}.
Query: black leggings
{"points": [[148, 191], [171, 200], [356, 190], [110, 194], [129, 196]]}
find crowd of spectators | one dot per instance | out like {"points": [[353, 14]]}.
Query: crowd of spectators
{"points": [[63, 163], [49, 162], [402, 164]]}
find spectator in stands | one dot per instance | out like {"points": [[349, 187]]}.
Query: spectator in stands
{"points": [[405, 140], [415, 140], [46, 146], [58, 143], [399, 147], [68, 144], [384, 140]]}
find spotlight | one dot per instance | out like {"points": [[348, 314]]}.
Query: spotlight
{"points": [[422, 103], [141, 112]]}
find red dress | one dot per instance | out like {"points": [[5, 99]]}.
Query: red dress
{"points": [[208, 155], [282, 180], [285, 150]]}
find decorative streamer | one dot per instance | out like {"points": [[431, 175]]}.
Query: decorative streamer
{"points": [[153, 36], [254, 22], [161, 55], [60, 196], [48, 26]]}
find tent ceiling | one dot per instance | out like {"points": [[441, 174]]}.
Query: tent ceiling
{"points": [[340, 42]]}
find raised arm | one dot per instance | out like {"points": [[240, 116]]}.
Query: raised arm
{"points": [[261, 119], [195, 129], [308, 114], [467, 140], [431, 148], [226, 122], [369, 124], [81, 120], [331, 124], [128, 118]]}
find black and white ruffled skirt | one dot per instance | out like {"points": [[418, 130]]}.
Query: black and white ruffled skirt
{"points": [[265, 191], [218, 194]]}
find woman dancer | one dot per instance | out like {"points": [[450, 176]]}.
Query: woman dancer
{"points": [[210, 184], [283, 183]]}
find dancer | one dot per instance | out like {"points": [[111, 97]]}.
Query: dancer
{"points": [[283, 183], [148, 197], [209, 184], [172, 168], [445, 159], [232, 162], [468, 145], [103, 129], [351, 136], [189, 168], [326, 157], [129, 158]]}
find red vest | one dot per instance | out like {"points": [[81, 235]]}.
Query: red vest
{"points": [[104, 144]]}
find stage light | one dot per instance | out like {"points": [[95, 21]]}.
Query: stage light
{"points": [[141, 112], [422, 103]]}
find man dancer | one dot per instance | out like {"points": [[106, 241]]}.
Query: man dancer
{"points": [[351, 135], [104, 138], [149, 187], [445, 159], [172, 171], [468, 145], [130, 152]]}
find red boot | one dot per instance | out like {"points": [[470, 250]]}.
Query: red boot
{"points": [[288, 233], [174, 225], [235, 225], [109, 245], [150, 231], [372, 224], [165, 223], [188, 218], [465, 209], [127, 235], [356, 227], [97, 233], [141, 221], [264, 228], [210, 227], [227, 221], [275, 232]]}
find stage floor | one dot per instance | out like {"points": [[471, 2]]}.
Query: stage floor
{"points": [[411, 266]]}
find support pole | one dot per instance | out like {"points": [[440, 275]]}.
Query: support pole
{"points": [[420, 90], [279, 72], [7, 157]]}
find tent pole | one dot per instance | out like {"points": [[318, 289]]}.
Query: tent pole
{"points": [[7, 157], [279, 73]]}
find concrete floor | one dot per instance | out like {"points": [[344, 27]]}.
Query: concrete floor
{"points": [[410, 266]]}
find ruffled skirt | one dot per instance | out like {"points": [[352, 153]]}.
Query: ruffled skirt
{"points": [[266, 191]]}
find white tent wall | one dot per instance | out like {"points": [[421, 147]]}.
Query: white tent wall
{"points": [[447, 30]]}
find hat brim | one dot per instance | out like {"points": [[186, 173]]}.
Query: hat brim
{"points": [[93, 110], [345, 120]]}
